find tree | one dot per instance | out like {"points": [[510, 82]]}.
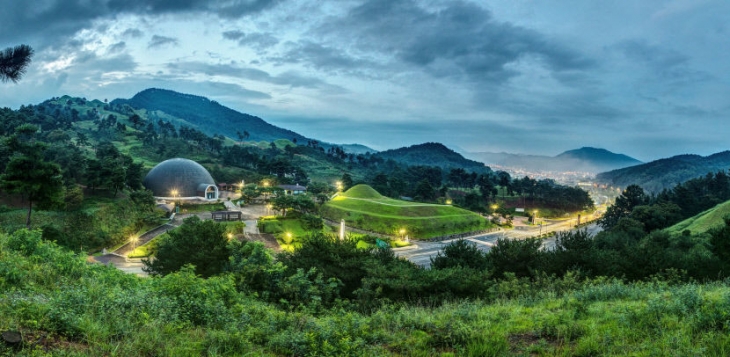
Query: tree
{"points": [[632, 196], [82, 139], [460, 253], [504, 181], [13, 62], [346, 181], [29, 174], [521, 257], [424, 190], [197, 242]]}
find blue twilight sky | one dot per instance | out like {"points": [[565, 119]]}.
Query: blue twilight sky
{"points": [[646, 78]]}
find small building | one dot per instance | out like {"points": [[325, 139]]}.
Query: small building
{"points": [[295, 189], [227, 215]]}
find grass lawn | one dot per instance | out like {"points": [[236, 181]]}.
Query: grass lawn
{"points": [[365, 208], [206, 207], [703, 222]]}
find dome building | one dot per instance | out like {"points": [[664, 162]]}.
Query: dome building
{"points": [[181, 179]]}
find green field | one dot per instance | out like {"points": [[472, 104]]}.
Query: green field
{"points": [[704, 221], [364, 208]]}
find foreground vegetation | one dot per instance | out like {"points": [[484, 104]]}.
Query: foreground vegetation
{"points": [[61, 305]]}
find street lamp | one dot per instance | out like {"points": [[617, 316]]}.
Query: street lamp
{"points": [[339, 185], [133, 241], [534, 217], [268, 209], [448, 202], [402, 232]]}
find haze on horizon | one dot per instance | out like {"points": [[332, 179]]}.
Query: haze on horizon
{"points": [[648, 79]]}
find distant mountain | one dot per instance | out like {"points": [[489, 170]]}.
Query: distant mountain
{"points": [[433, 154], [666, 173], [586, 159], [206, 115], [211, 118]]}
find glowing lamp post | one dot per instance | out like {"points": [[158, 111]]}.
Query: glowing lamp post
{"points": [[402, 234], [339, 185], [133, 242]]}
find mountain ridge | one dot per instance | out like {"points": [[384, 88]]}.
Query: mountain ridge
{"points": [[587, 159], [664, 173]]}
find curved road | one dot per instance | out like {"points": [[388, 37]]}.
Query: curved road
{"points": [[422, 254]]}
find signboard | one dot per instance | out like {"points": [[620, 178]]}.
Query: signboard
{"points": [[519, 210]]}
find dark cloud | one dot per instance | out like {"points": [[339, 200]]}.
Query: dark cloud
{"points": [[89, 64], [331, 59], [43, 23], [223, 8], [231, 89], [290, 78], [668, 65], [159, 41], [257, 40], [133, 33], [233, 35], [459, 40], [117, 47]]}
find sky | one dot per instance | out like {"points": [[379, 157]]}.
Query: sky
{"points": [[648, 78]]}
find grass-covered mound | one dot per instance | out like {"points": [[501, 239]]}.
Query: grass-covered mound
{"points": [[362, 191], [63, 306], [363, 207], [703, 222]]}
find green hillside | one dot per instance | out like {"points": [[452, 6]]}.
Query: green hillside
{"points": [[59, 305], [363, 207], [712, 218]]}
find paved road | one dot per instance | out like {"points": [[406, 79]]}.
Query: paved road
{"points": [[425, 250]]}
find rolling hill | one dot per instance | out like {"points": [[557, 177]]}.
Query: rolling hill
{"points": [[363, 207], [666, 173], [585, 159], [433, 154], [205, 115], [703, 222]]}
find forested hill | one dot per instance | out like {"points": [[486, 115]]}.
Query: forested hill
{"points": [[433, 154], [599, 158], [205, 115], [666, 173]]}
